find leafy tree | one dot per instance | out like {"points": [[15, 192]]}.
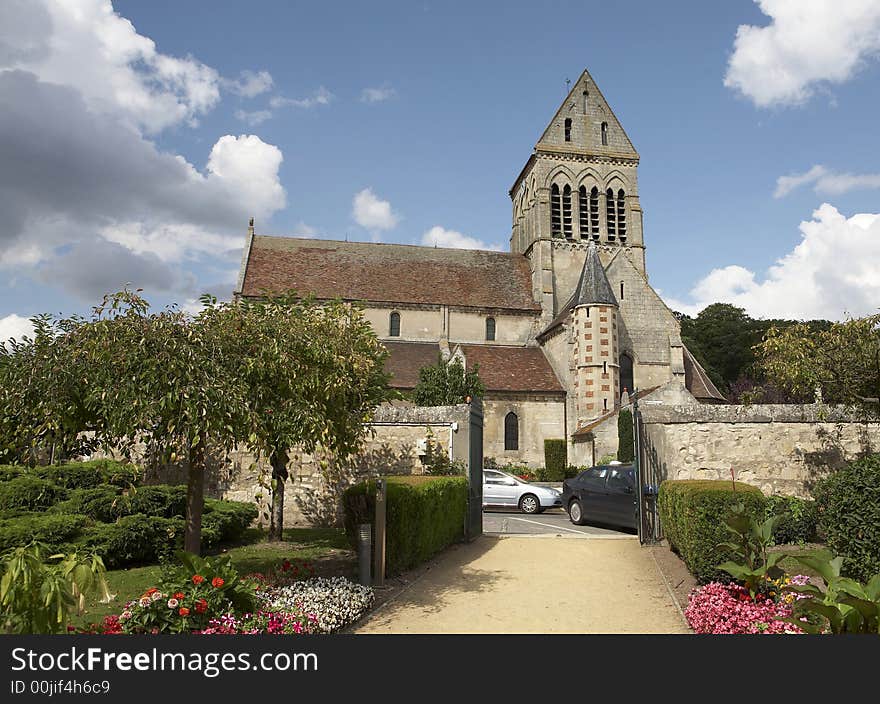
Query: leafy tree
{"points": [[313, 373], [447, 383], [842, 360]]}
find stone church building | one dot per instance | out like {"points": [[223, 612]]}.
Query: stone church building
{"points": [[563, 326]]}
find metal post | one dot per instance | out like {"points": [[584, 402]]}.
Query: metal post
{"points": [[640, 478], [473, 527], [379, 553], [365, 549]]}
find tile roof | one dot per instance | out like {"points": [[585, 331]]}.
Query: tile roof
{"points": [[513, 368], [406, 358], [390, 273], [698, 382]]}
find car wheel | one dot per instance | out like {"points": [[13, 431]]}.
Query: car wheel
{"points": [[529, 504], [576, 513]]}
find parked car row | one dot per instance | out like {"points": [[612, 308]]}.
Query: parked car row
{"points": [[603, 494]]}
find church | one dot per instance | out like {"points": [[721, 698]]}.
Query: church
{"points": [[564, 326]]}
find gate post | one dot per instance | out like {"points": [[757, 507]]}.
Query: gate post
{"points": [[473, 525], [640, 478]]}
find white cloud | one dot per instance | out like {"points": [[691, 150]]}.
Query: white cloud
{"points": [[86, 45], [301, 229], [373, 213], [253, 117], [250, 84], [14, 326], [441, 237], [377, 95], [808, 43], [834, 270], [825, 182], [322, 96]]}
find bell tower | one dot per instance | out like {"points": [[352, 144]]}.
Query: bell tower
{"points": [[578, 188]]}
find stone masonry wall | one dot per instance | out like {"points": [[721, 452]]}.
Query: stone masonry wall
{"points": [[781, 449]]}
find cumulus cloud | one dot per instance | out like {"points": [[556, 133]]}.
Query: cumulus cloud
{"points": [[250, 84], [825, 182], [89, 201], [373, 213], [14, 326], [377, 95], [441, 237], [322, 96], [807, 43], [834, 270], [301, 229], [88, 46]]}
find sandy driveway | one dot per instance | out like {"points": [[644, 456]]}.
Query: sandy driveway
{"points": [[535, 585]]}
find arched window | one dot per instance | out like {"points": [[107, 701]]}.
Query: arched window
{"points": [[555, 211], [626, 373], [490, 328], [610, 214], [621, 215], [583, 213], [567, 129], [394, 325], [594, 213], [604, 134], [511, 431], [586, 97], [566, 211]]}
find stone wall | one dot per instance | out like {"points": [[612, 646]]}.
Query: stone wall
{"points": [[782, 449], [539, 416]]}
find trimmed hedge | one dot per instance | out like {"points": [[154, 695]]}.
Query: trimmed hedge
{"points": [[135, 539], [77, 475], [422, 517], [555, 459], [31, 493], [230, 519], [799, 522], [56, 530], [848, 503], [692, 515], [626, 447]]}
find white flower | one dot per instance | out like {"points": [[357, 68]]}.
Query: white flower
{"points": [[172, 603]]}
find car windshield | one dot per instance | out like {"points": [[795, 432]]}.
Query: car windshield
{"points": [[510, 476]]}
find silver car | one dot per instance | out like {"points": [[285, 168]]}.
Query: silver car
{"points": [[502, 489]]}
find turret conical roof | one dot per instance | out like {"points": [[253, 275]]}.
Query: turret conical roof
{"points": [[593, 286]]}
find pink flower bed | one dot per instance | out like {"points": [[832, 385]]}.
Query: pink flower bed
{"points": [[729, 609]]}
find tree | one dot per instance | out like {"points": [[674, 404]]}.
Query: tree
{"points": [[447, 383], [625, 441], [314, 374], [842, 360]]}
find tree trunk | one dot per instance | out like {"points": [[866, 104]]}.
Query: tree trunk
{"points": [[279, 477], [195, 498]]}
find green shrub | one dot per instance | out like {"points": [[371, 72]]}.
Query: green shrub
{"points": [[230, 519], [135, 539], [29, 493], [555, 459], [103, 503], [798, 522], [848, 502], [88, 475], [55, 530], [9, 471], [162, 500], [692, 514], [626, 449], [422, 518]]}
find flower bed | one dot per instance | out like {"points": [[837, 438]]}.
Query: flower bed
{"points": [[730, 609], [335, 602]]}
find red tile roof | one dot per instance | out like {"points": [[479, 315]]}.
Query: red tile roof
{"points": [[513, 368], [406, 358], [390, 273]]}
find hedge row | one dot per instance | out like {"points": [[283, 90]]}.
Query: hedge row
{"points": [[78, 475], [422, 517], [848, 503], [131, 539], [555, 460], [692, 513]]}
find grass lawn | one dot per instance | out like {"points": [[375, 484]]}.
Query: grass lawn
{"points": [[326, 548], [792, 566]]}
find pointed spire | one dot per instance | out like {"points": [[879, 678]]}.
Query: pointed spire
{"points": [[593, 286]]}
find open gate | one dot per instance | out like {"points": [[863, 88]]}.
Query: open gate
{"points": [[648, 472]]}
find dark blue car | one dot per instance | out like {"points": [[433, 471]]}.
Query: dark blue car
{"points": [[603, 494]]}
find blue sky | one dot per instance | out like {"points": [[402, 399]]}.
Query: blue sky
{"points": [[135, 152]]}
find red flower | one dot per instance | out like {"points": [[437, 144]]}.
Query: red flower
{"points": [[198, 579], [285, 565], [150, 591], [217, 582], [178, 595], [201, 606], [183, 611]]}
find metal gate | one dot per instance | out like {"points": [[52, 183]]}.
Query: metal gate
{"points": [[648, 471], [473, 527]]}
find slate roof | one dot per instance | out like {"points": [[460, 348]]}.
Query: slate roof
{"points": [[698, 382], [513, 368], [388, 273]]}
